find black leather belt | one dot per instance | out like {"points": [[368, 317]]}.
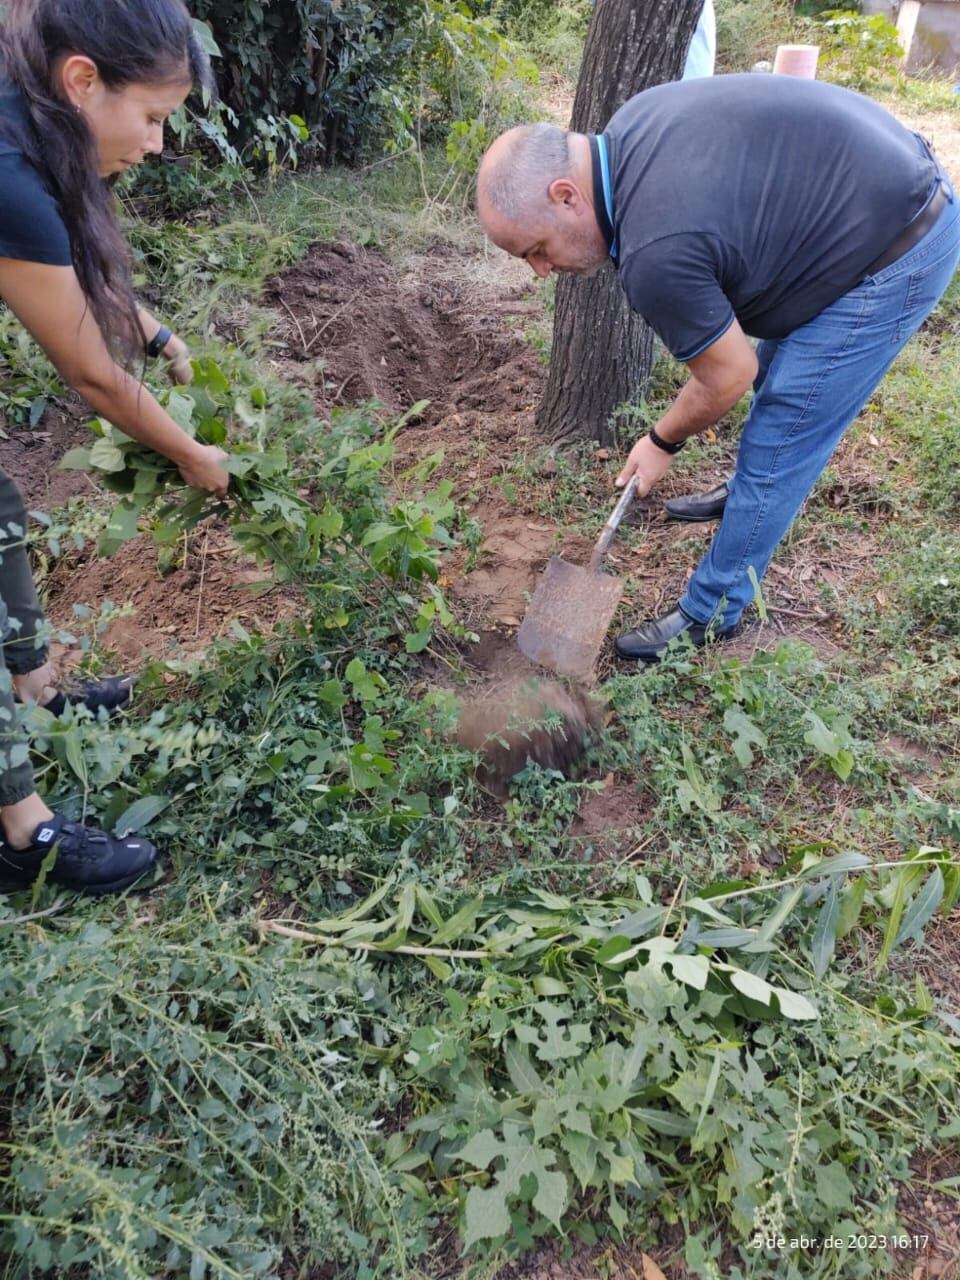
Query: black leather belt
{"points": [[913, 232]]}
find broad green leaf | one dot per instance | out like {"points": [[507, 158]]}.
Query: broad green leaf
{"points": [[481, 1149], [140, 814], [665, 1122], [750, 985], [727, 937], [552, 901], [616, 1213], [615, 951], [105, 456], [442, 971], [330, 521], [795, 1006], [639, 924], [415, 411], [693, 971], [74, 754], [792, 1005], [552, 1195], [771, 926], [523, 1075], [923, 906], [207, 42], [486, 1215], [825, 934], [582, 1153], [842, 862], [77, 459], [745, 734], [710, 1090], [544, 985], [121, 527], [851, 905], [892, 927], [459, 924], [834, 1188]]}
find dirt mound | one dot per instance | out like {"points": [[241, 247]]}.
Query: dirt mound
{"points": [[529, 719], [401, 334]]}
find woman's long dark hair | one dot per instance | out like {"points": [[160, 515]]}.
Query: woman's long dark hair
{"points": [[131, 42]]}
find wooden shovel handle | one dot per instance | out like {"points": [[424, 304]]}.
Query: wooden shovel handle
{"points": [[610, 528]]}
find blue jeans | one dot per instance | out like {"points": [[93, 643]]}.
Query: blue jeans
{"points": [[810, 387]]}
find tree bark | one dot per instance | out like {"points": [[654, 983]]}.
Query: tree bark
{"points": [[602, 351]]}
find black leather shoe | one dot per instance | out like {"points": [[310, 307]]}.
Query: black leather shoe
{"points": [[696, 508], [87, 859], [650, 641]]}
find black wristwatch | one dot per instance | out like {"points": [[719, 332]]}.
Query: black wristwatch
{"points": [[159, 341], [665, 445]]}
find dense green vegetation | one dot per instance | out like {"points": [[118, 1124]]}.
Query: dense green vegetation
{"points": [[373, 1022]]}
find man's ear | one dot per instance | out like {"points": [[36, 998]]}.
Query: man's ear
{"points": [[79, 77], [564, 191]]}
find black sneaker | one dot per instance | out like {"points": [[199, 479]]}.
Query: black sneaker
{"points": [[112, 693], [87, 859]]}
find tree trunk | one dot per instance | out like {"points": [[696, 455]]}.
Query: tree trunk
{"points": [[602, 351]]}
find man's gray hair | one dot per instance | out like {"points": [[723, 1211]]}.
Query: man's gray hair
{"points": [[517, 185]]}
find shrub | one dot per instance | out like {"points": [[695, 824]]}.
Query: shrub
{"points": [[856, 51], [749, 30]]}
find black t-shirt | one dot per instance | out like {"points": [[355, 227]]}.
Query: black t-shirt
{"points": [[31, 225], [756, 196]]}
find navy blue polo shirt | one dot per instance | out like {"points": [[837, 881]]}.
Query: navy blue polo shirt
{"points": [[757, 196]]}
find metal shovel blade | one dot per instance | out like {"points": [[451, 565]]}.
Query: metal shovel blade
{"points": [[568, 618]]}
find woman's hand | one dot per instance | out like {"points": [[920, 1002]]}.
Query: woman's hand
{"points": [[177, 355], [202, 469]]}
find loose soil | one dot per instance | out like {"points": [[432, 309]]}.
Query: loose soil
{"points": [[32, 455]]}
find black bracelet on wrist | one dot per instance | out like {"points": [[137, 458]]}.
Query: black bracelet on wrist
{"points": [[159, 341], [665, 445]]}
